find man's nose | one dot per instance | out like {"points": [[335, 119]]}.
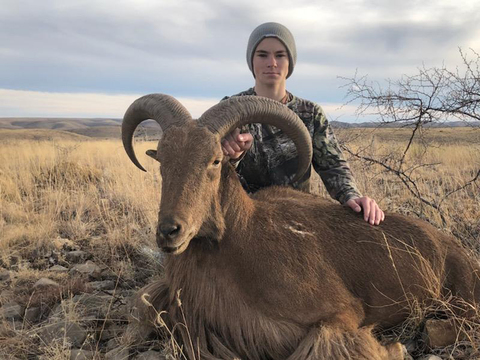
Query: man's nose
{"points": [[272, 62]]}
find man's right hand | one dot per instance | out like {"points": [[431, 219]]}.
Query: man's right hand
{"points": [[235, 144]]}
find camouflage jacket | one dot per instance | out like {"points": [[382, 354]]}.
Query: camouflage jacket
{"points": [[272, 159]]}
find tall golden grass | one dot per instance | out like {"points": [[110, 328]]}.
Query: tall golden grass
{"points": [[455, 158], [74, 190]]}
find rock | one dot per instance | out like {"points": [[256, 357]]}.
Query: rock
{"points": [[44, 283], [117, 354], [93, 305], [410, 345], [439, 333], [4, 275], [77, 354], [76, 257], [58, 310], [63, 244], [112, 344], [430, 357], [61, 331], [16, 261], [89, 268], [13, 311], [108, 274], [58, 269], [112, 332], [406, 354], [102, 285], [150, 355], [33, 314]]}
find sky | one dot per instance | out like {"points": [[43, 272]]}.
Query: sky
{"points": [[92, 58]]}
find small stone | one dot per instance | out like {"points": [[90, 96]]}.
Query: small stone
{"points": [[102, 285], [112, 332], [406, 354], [15, 259], [117, 354], [89, 268], [112, 344], [13, 311], [93, 305], [89, 321], [58, 269], [45, 282], [77, 354], [410, 345], [63, 244], [430, 357], [32, 315], [61, 331], [58, 310], [4, 275], [6, 295], [150, 355], [439, 333], [108, 274], [76, 257]]}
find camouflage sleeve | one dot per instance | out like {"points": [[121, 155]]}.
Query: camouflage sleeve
{"points": [[329, 163]]}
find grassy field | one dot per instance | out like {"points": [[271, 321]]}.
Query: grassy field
{"points": [[439, 162], [91, 194]]}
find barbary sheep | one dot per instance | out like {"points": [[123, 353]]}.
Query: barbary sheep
{"points": [[281, 274]]}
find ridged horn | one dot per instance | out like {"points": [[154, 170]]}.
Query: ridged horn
{"points": [[164, 109], [241, 110]]}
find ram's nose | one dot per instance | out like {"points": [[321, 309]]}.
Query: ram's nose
{"points": [[169, 231]]}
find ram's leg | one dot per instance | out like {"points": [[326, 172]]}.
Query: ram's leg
{"points": [[463, 280], [333, 343], [147, 304]]}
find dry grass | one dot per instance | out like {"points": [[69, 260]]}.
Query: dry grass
{"points": [[90, 193], [455, 155], [78, 191]]}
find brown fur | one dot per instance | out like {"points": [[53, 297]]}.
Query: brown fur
{"points": [[285, 274]]}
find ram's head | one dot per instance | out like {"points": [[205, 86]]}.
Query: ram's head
{"points": [[192, 160]]}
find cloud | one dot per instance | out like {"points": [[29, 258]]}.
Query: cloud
{"points": [[196, 49], [19, 103]]}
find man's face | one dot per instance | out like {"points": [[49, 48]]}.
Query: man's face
{"points": [[270, 62]]}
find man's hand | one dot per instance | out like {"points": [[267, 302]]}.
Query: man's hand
{"points": [[371, 212], [234, 144]]}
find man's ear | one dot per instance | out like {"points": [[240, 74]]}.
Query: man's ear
{"points": [[152, 154]]}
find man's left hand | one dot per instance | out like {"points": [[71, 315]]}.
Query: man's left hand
{"points": [[371, 211]]}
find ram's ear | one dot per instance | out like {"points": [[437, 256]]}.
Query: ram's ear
{"points": [[152, 154]]}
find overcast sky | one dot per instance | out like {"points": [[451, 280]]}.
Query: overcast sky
{"points": [[92, 58]]}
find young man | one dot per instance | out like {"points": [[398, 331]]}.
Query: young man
{"points": [[271, 159]]}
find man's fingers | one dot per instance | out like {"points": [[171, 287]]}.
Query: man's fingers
{"points": [[373, 213], [245, 140], [235, 143], [366, 210], [227, 149], [232, 143], [379, 216]]}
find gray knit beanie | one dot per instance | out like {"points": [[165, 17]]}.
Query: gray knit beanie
{"points": [[276, 30]]}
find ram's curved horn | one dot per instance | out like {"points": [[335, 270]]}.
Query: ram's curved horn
{"points": [[240, 110], [164, 109]]}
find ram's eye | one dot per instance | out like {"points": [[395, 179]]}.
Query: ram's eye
{"points": [[216, 162]]}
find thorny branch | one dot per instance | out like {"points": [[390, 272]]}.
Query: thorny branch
{"points": [[432, 96]]}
